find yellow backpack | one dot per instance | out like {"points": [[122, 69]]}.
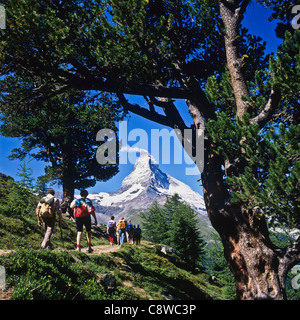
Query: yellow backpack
{"points": [[46, 209], [122, 225]]}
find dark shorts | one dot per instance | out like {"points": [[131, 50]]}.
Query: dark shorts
{"points": [[111, 233], [84, 221]]}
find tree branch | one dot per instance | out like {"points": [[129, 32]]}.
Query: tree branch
{"points": [[160, 103], [122, 87], [239, 12], [150, 115], [269, 109], [232, 14], [291, 255], [172, 113]]}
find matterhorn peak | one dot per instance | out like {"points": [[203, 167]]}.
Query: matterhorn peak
{"points": [[144, 185], [146, 172]]}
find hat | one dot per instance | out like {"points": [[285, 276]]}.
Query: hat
{"points": [[122, 218]]}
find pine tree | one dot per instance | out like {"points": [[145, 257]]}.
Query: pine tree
{"points": [[25, 174], [185, 236], [175, 224], [155, 224], [63, 133]]}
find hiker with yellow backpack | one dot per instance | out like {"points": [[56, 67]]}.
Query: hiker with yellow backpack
{"points": [[46, 211], [121, 228]]}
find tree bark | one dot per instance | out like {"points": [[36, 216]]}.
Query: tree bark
{"points": [[68, 190], [68, 174], [259, 267], [232, 13], [252, 258]]}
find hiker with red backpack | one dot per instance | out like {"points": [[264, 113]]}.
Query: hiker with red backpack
{"points": [[111, 230], [83, 209], [46, 211]]}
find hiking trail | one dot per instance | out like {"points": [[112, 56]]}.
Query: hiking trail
{"points": [[104, 248]]}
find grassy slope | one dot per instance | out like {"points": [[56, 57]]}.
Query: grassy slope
{"points": [[141, 272]]}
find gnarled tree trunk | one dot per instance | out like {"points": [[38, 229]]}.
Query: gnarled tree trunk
{"points": [[252, 258], [259, 267]]}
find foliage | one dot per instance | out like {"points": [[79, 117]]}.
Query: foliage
{"points": [[50, 275], [271, 180], [217, 267], [63, 132], [136, 39], [15, 198], [175, 224], [270, 156]]}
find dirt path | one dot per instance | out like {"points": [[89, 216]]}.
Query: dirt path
{"points": [[6, 251], [104, 248]]}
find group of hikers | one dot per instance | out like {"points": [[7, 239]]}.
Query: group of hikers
{"points": [[82, 209], [123, 231]]}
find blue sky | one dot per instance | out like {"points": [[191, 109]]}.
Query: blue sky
{"points": [[255, 20]]}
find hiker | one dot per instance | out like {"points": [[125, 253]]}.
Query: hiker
{"points": [[129, 232], [121, 228], [137, 235], [111, 230], [46, 211], [125, 233], [83, 209]]}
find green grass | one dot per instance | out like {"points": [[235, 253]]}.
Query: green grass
{"points": [[140, 272]]}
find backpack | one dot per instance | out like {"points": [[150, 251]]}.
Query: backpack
{"points": [[46, 209], [122, 225], [129, 227], [83, 208]]}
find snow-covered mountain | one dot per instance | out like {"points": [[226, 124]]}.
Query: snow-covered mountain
{"points": [[144, 185]]}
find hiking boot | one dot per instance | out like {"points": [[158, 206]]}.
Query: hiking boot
{"points": [[78, 247], [89, 250]]}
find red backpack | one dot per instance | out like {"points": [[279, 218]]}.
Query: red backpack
{"points": [[83, 208]]}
